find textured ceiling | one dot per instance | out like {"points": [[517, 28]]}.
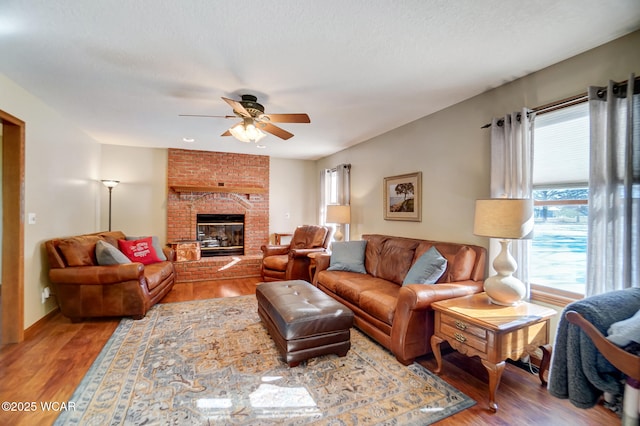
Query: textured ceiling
{"points": [[122, 70]]}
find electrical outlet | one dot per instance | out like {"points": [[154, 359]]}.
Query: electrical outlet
{"points": [[46, 292]]}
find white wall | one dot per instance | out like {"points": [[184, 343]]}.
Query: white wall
{"points": [[452, 151], [293, 194], [61, 183], [139, 202]]}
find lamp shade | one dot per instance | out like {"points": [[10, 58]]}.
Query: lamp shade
{"points": [[247, 131], [109, 183], [510, 218], [338, 214]]}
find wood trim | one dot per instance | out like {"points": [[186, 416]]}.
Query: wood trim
{"points": [[227, 189], [553, 297], [40, 324], [13, 142], [560, 202]]}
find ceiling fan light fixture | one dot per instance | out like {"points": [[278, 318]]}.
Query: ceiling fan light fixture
{"points": [[247, 131]]}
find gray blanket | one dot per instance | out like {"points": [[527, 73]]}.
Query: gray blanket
{"points": [[578, 371]]}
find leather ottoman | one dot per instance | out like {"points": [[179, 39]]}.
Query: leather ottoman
{"points": [[303, 321]]}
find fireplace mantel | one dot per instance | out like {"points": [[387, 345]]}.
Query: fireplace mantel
{"points": [[220, 188]]}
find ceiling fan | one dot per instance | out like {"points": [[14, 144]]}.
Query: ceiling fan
{"points": [[255, 121]]}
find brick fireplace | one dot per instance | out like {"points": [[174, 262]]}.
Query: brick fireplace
{"points": [[205, 183]]}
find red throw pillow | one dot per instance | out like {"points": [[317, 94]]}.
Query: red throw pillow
{"points": [[139, 250]]}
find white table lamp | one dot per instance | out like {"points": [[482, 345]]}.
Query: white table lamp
{"points": [[338, 214], [506, 219]]}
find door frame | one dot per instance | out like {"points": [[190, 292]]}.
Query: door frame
{"points": [[13, 153]]}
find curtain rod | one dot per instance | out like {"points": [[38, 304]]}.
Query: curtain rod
{"points": [[573, 100]]}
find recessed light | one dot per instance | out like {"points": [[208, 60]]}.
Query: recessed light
{"points": [[188, 140]]}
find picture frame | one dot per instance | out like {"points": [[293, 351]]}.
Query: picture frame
{"points": [[402, 197]]}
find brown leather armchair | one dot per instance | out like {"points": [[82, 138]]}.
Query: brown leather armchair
{"points": [[291, 261]]}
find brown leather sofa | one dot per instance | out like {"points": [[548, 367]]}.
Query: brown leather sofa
{"points": [[85, 289], [400, 317], [291, 261]]}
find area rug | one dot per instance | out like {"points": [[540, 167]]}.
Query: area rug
{"points": [[211, 362]]}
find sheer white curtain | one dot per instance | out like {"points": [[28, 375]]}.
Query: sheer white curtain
{"points": [[613, 254], [512, 175]]}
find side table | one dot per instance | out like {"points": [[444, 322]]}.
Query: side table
{"points": [[473, 326]]}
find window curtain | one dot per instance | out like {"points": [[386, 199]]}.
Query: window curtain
{"points": [[343, 191], [325, 195], [512, 175], [613, 253]]}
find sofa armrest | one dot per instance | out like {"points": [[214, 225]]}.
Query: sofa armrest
{"points": [[421, 296], [97, 275], [169, 253], [274, 250], [413, 319]]}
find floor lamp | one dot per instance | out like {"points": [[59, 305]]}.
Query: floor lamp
{"points": [[110, 184], [506, 219], [340, 215]]}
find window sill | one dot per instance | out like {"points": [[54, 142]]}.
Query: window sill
{"points": [[553, 296]]}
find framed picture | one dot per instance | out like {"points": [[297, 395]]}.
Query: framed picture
{"points": [[403, 197]]}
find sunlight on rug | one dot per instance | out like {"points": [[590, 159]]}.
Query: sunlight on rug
{"points": [[212, 362]]}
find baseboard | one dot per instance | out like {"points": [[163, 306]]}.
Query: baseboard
{"points": [[39, 325]]}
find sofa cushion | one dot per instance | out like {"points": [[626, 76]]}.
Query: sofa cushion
{"points": [[139, 250], [79, 251], [276, 262], [463, 264], [155, 242], [396, 256], [351, 288], [427, 269], [380, 302], [106, 254], [348, 256], [329, 279]]}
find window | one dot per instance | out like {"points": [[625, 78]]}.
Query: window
{"points": [[558, 256], [329, 193]]}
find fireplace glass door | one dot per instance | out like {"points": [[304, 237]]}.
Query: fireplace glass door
{"points": [[221, 234]]}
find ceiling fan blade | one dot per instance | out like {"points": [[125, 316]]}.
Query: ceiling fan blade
{"points": [[286, 118], [212, 116], [237, 107], [274, 130], [227, 133]]}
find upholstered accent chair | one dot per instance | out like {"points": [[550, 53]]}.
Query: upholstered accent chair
{"points": [[291, 261]]}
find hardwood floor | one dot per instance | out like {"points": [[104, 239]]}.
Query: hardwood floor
{"points": [[52, 362]]}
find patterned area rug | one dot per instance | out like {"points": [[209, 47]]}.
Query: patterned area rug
{"points": [[212, 362]]}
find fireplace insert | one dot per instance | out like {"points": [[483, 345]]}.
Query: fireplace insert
{"points": [[220, 234]]}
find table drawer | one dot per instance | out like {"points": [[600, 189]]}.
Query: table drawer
{"points": [[463, 326], [464, 333]]}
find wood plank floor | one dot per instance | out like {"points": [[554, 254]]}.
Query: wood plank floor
{"points": [[52, 362]]}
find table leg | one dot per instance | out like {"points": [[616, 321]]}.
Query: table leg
{"points": [[435, 347], [495, 373], [544, 364]]}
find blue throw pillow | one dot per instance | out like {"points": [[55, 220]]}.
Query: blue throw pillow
{"points": [[106, 254], [427, 269], [348, 256]]}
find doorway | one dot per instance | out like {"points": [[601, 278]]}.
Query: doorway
{"points": [[12, 316]]}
